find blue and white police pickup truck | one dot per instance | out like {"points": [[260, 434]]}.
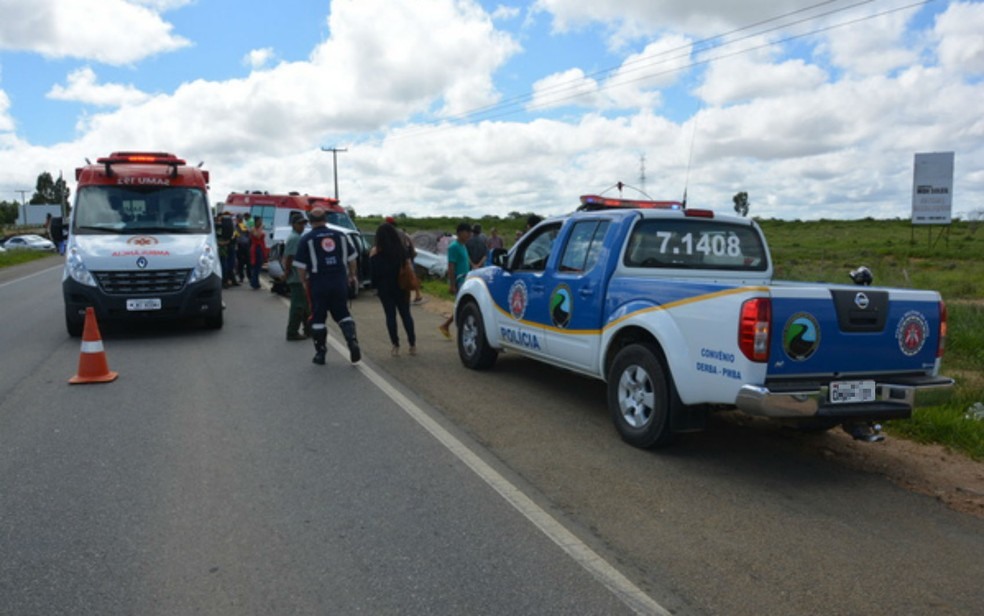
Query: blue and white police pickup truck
{"points": [[677, 311]]}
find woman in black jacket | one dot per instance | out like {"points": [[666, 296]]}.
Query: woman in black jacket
{"points": [[386, 258]]}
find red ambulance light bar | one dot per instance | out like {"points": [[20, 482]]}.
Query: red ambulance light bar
{"points": [[595, 202], [141, 158]]}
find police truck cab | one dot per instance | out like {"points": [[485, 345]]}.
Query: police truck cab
{"points": [[142, 243]]}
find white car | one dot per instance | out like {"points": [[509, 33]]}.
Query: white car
{"points": [[29, 242], [435, 264]]}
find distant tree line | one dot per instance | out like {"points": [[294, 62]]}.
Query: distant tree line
{"points": [[47, 191]]}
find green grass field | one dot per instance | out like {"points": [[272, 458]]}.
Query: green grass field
{"points": [[950, 261], [15, 257]]}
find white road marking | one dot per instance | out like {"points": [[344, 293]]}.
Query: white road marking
{"points": [[630, 594], [44, 271]]}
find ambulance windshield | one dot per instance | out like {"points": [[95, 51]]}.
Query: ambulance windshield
{"points": [[130, 210]]}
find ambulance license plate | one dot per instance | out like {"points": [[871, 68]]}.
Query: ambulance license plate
{"points": [[136, 305], [847, 392]]}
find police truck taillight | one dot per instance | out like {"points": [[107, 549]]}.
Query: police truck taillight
{"points": [[753, 328], [939, 349]]}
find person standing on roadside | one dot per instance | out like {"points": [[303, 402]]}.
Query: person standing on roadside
{"points": [[495, 240], [387, 258], [477, 250], [257, 252], [226, 233], [327, 262], [411, 251], [299, 308], [458, 267], [242, 248]]}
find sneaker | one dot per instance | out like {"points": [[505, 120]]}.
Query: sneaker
{"points": [[319, 358], [395, 351], [296, 337], [444, 331], [419, 301], [413, 350]]}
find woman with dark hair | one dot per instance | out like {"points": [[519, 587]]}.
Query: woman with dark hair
{"points": [[257, 252], [386, 258]]}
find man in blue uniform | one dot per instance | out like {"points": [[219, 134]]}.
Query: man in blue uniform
{"points": [[327, 260]]}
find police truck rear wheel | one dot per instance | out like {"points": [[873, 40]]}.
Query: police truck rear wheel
{"points": [[473, 347], [639, 396]]}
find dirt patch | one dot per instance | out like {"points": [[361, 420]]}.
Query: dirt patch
{"points": [[952, 478]]}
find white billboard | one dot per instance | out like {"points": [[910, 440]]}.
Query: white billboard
{"points": [[932, 189]]}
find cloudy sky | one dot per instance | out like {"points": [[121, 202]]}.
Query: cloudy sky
{"points": [[471, 107]]}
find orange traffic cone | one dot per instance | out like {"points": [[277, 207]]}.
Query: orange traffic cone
{"points": [[92, 362]]}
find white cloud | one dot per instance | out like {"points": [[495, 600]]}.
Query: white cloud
{"points": [[259, 58], [163, 5], [959, 34], [82, 88], [6, 121], [503, 12], [804, 141], [631, 19], [873, 46], [745, 77], [408, 51], [634, 85], [570, 87], [382, 65], [109, 31]]}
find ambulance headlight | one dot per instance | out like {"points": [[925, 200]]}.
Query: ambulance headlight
{"points": [[76, 268], [208, 264]]}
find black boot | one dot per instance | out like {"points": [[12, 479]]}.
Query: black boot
{"points": [[320, 337], [348, 330]]}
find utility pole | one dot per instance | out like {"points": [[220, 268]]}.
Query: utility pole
{"points": [[23, 203], [642, 172], [334, 159]]}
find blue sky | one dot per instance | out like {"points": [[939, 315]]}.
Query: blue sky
{"points": [[821, 125]]}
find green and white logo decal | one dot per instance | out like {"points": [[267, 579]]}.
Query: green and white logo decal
{"points": [[561, 306], [801, 336]]}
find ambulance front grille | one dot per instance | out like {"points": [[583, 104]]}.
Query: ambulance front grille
{"points": [[141, 282]]}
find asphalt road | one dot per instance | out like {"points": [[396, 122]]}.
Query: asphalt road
{"points": [[224, 473]]}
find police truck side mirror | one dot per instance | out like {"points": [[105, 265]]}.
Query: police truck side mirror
{"points": [[500, 257]]}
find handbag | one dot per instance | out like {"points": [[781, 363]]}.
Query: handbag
{"points": [[406, 279]]}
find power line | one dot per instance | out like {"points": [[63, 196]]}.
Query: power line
{"points": [[649, 59], [505, 108]]}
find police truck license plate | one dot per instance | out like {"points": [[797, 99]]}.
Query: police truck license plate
{"points": [[846, 392], [134, 305]]}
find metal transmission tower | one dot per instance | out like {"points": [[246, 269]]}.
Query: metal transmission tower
{"points": [[334, 159]]}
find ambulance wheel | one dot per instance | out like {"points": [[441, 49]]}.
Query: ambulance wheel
{"points": [[639, 396], [473, 347], [74, 325]]}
